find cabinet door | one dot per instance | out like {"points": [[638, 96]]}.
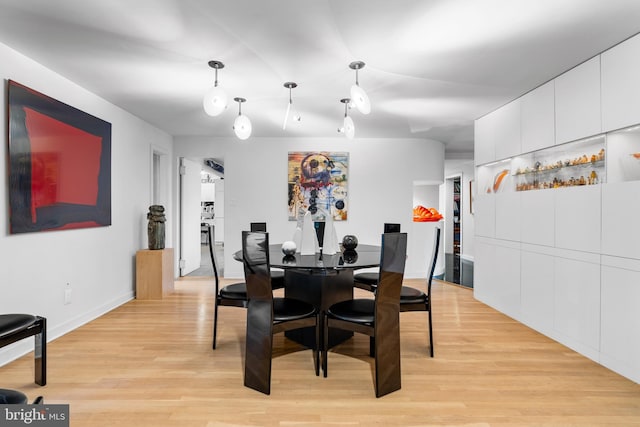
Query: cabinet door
{"points": [[538, 118], [620, 225], [485, 215], [508, 216], [507, 131], [577, 217], [621, 85], [578, 102], [537, 272], [484, 148], [538, 217]]}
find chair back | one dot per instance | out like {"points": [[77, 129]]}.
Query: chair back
{"points": [[258, 226], [392, 262], [255, 258], [434, 258], [391, 227], [212, 254]]}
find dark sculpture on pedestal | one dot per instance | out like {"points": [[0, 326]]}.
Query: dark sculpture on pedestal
{"points": [[155, 229]]}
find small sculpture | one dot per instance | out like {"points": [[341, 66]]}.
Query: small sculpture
{"points": [[349, 242], [289, 248], [155, 228]]}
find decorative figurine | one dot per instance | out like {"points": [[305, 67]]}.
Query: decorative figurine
{"points": [[349, 242], [155, 228]]}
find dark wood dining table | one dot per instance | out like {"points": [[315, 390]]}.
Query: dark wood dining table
{"points": [[321, 280]]}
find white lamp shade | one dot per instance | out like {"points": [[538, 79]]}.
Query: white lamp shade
{"points": [[349, 127], [360, 99], [242, 127], [215, 101]]}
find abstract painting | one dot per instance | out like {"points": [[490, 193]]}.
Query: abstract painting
{"points": [[59, 164], [317, 183]]}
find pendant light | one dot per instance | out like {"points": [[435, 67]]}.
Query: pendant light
{"points": [[348, 126], [358, 95], [242, 124], [215, 99], [296, 116]]}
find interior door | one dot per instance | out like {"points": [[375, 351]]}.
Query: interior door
{"points": [[190, 252]]}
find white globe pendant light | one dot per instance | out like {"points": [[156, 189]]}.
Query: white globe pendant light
{"points": [[348, 125], [215, 98], [359, 97], [242, 124]]}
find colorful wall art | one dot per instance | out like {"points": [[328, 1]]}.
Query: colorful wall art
{"points": [[59, 164], [317, 182]]}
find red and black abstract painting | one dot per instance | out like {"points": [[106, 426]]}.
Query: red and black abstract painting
{"points": [[59, 164]]}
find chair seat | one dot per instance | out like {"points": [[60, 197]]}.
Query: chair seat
{"points": [[409, 295], [12, 397], [235, 291], [12, 323], [356, 310], [286, 309], [369, 278]]}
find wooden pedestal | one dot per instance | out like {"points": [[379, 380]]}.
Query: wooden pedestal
{"points": [[154, 273]]}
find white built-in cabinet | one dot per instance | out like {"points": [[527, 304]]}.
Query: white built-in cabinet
{"points": [[565, 260], [620, 85], [577, 102], [538, 118]]}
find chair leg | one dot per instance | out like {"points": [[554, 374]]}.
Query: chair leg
{"points": [[430, 333], [40, 353], [372, 347], [387, 358], [325, 344], [258, 347], [215, 324], [316, 351]]}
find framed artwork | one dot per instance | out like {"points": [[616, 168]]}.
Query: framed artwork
{"points": [[59, 164], [317, 182]]}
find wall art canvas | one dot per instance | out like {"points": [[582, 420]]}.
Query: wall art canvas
{"points": [[59, 164], [317, 183]]}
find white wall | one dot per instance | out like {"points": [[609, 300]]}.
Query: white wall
{"points": [[98, 263], [381, 176]]}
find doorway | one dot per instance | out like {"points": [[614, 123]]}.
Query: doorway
{"points": [[453, 227]]}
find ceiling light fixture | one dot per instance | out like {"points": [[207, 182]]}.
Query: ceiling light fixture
{"points": [[358, 95], [215, 99], [348, 128], [242, 124], [296, 116]]}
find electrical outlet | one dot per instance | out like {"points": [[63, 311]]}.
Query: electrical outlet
{"points": [[67, 295]]}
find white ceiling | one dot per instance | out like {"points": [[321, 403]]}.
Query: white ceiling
{"points": [[432, 66]]}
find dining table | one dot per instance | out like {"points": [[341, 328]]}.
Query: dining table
{"points": [[322, 280]]}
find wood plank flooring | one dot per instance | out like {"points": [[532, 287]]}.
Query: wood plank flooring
{"points": [[150, 363]]}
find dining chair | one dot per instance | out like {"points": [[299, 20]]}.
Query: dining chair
{"points": [[277, 275], [412, 299], [268, 315], [234, 295], [15, 327], [369, 279], [377, 317]]}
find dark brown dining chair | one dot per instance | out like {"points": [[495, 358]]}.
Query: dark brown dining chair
{"points": [[369, 279], [379, 318], [412, 299], [268, 315], [16, 327], [277, 275], [234, 295]]}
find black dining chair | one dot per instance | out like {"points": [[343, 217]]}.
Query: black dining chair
{"points": [[412, 299], [277, 275], [268, 315], [379, 318], [15, 327], [369, 279], [234, 295]]}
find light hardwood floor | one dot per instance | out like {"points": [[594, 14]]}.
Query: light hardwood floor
{"points": [[150, 363]]}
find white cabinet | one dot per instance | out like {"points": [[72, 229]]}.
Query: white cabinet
{"points": [[577, 218], [537, 287], [484, 269], [620, 225], [484, 148], [538, 217], [577, 102], [621, 85], [577, 302], [538, 118], [507, 130], [508, 216], [620, 346], [485, 215]]}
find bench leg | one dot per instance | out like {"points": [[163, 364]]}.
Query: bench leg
{"points": [[40, 353]]}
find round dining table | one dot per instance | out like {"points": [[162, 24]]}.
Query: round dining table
{"points": [[322, 280]]}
